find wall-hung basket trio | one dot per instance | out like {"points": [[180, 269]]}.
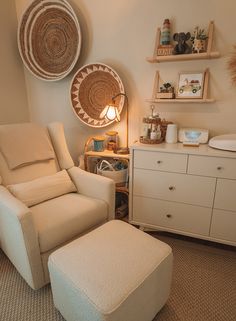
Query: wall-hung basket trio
{"points": [[49, 42]]}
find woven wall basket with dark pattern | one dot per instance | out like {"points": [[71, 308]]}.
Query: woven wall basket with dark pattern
{"points": [[92, 88], [49, 39]]}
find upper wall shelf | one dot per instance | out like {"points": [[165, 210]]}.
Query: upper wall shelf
{"points": [[183, 57]]}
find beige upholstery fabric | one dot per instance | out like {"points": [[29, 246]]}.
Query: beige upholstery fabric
{"points": [[56, 132], [43, 188], [26, 143], [45, 255], [29, 235], [32, 170], [113, 273], [26, 173], [61, 219], [19, 238], [95, 186]]}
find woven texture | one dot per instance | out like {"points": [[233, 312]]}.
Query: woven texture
{"points": [[49, 39], [203, 288], [92, 88]]}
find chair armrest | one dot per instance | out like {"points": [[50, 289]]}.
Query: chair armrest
{"points": [[19, 238], [95, 186], [11, 205]]}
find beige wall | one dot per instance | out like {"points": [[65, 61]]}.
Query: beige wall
{"points": [[121, 34], [13, 99]]}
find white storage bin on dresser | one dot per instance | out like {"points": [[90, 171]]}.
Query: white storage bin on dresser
{"points": [[185, 190]]}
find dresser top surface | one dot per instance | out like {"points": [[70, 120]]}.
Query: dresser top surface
{"points": [[178, 148]]}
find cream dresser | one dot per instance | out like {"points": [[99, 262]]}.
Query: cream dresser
{"points": [[184, 190]]}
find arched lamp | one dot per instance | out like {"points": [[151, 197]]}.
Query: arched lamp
{"points": [[111, 112]]}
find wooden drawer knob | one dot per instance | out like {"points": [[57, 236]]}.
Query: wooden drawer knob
{"points": [[171, 188], [168, 215], [219, 168], [159, 162]]}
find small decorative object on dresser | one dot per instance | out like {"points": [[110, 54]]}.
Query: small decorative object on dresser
{"points": [[154, 129], [193, 135], [171, 134]]}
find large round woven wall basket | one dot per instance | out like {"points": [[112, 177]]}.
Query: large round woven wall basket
{"points": [[92, 88], [49, 39]]}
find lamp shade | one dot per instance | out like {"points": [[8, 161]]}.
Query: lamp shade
{"points": [[111, 113]]}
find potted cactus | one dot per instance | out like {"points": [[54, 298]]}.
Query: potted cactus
{"points": [[199, 40]]}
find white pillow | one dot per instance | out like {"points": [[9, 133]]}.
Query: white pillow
{"points": [[43, 188]]}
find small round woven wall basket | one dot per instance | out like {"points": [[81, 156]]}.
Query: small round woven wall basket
{"points": [[49, 39], [92, 88]]}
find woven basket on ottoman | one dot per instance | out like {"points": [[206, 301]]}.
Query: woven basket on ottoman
{"points": [[114, 273]]}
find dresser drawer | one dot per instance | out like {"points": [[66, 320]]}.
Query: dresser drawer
{"points": [[160, 161], [225, 194], [183, 188], [212, 166], [176, 216], [223, 225]]}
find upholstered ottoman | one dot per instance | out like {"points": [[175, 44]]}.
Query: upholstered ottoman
{"points": [[114, 273]]}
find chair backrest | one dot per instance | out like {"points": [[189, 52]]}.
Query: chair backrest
{"points": [[29, 151]]}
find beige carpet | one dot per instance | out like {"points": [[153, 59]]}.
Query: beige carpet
{"points": [[203, 289]]}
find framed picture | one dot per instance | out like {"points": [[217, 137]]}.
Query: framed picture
{"points": [[190, 85]]}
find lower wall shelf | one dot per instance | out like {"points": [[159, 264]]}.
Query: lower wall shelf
{"points": [[179, 100], [204, 98]]}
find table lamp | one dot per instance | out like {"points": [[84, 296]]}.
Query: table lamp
{"points": [[111, 112]]}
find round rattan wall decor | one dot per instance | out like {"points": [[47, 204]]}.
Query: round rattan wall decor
{"points": [[92, 88], [49, 39]]}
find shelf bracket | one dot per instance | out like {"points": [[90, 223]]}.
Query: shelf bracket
{"points": [[210, 37], [156, 84], [206, 82], [158, 35]]}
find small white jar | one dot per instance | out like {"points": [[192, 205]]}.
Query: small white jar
{"points": [[171, 134]]}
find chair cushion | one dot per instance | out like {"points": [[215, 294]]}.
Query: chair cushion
{"points": [[25, 143], [27, 173], [43, 188], [61, 219]]}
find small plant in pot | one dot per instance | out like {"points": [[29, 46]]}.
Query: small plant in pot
{"points": [[199, 40]]}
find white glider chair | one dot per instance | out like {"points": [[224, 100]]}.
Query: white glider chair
{"points": [[45, 201]]}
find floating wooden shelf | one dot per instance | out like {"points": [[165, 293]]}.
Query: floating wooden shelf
{"points": [[204, 98], [184, 57], [209, 54], [179, 100]]}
